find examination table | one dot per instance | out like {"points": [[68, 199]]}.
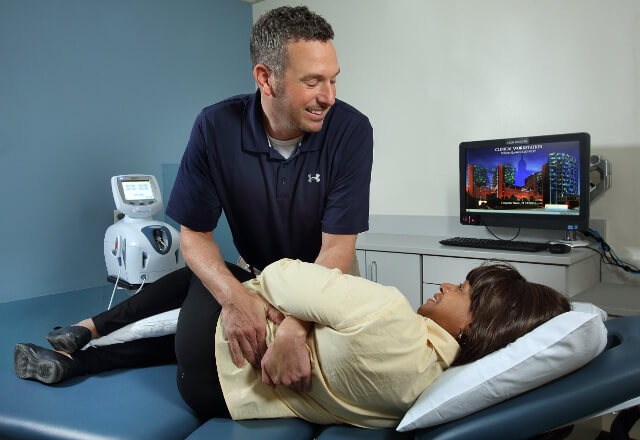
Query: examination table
{"points": [[145, 404]]}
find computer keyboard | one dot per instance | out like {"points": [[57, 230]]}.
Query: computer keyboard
{"points": [[505, 245]]}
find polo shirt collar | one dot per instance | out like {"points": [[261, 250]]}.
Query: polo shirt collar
{"points": [[254, 137]]}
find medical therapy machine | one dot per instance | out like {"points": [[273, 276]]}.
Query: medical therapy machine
{"points": [[139, 250]]}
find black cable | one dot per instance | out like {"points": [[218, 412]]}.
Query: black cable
{"points": [[604, 258], [607, 255], [503, 239], [610, 255]]}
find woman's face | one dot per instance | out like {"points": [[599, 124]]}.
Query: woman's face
{"points": [[449, 308]]}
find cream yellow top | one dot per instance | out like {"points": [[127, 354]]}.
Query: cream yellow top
{"points": [[371, 354]]}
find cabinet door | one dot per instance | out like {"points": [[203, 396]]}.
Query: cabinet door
{"points": [[394, 269], [362, 263], [437, 269]]}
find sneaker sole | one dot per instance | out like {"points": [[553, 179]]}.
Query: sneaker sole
{"points": [[29, 366]]}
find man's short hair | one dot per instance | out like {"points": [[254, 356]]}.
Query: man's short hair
{"points": [[273, 30]]}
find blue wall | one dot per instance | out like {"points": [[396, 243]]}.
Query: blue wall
{"points": [[222, 234], [89, 90]]}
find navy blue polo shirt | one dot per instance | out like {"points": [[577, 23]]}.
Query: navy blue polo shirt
{"points": [[276, 208]]}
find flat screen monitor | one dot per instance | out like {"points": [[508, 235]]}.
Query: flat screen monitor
{"points": [[526, 182]]}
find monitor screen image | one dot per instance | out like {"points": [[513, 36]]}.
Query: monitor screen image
{"points": [[535, 182], [137, 190]]}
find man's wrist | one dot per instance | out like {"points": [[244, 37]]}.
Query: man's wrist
{"points": [[229, 291]]}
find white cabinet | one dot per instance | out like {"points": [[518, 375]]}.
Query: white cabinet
{"points": [[417, 264], [437, 269], [568, 280], [361, 255], [402, 271]]}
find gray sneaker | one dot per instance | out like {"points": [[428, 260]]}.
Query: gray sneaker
{"points": [[69, 339], [34, 362]]}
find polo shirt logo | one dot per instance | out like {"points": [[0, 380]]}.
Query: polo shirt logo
{"points": [[315, 178]]}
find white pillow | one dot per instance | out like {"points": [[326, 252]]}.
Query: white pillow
{"points": [[578, 306], [557, 347], [154, 326]]}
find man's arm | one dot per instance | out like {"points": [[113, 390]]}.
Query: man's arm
{"points": [[287, 362], [337, 251], [243, 314]]}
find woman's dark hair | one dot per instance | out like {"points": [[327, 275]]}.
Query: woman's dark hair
{"points": [[273, 30], [505, 306]]}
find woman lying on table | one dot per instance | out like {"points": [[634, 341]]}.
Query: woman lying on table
{"points": [[371, 355]]}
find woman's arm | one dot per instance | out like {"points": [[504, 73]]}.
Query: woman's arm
{"points": [[287, 360], [314, 293]]}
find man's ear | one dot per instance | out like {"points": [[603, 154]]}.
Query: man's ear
{"points": [[264, 80]]}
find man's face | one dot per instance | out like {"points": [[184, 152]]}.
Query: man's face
{"points": [[307, 90]]}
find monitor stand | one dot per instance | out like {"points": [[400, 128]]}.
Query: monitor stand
{"points": [[571, 240]]}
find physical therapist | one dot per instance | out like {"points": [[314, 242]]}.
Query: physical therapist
{"points": [[290, 165]]}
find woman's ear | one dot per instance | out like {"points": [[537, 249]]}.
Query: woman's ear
{"points": [[467, 329], [263, 75]]}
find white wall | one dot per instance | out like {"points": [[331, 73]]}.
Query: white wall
{"points": [[433, 73]]}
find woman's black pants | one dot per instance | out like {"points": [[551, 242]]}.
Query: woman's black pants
{"points": [[192, 347]]}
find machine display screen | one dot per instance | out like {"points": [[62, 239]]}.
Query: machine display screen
{"points": [[137, 190]]}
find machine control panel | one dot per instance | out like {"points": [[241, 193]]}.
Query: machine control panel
{"points": [[136, 195]]}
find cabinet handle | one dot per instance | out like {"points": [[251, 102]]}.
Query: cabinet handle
{"points": [[374, 264]]}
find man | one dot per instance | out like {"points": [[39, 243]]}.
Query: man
{"points": [[309, 205], [290, 166]]}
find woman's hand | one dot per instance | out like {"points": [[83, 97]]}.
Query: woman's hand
{"points": [[287, 361]]}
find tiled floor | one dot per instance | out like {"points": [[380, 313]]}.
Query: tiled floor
{"points": [[590, 429], [586, 430]]}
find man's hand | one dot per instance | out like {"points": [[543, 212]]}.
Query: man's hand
{"points": [[244, 321], [287, 360]]}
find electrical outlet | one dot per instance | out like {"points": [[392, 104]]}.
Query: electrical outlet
{"points": [[117, 216]]}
